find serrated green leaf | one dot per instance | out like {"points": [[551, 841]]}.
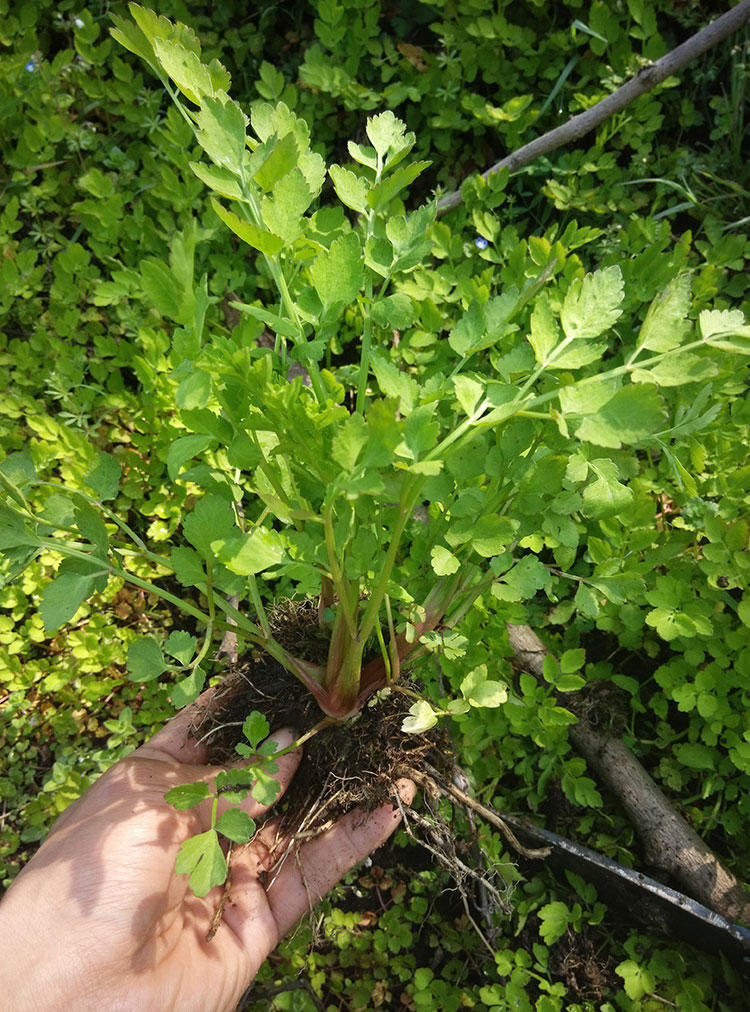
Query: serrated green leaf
{"points": [[632, 415], [637, 979], [351, 189], [420, 432], [269, 120], [592, 304], [194, 390], [185, 448], [265, 789], [265, 242], [395, 383], [554, 921], [280, 160], [180, 645], [186, 796], [145, 660], [160, 286], [527, 577], [717, 326], [221, 131], [677, 370], [480, 691], [569, 683], [578, 355], [379, 255], [489, 694], [586, 602], [222, 181], [76, 580], [337, 273], [380, 195], [409, 236], [236, 825], [155, 26], [247, 554], [696, 756], [188, 567], [349, 441], [192, 77], [665, 326], [272, 320], [586, 398], [572, 660], [605, 497], [388, 136], [581, 790], [469, 332], [313, 168], [212, 518], [363, 154], [133, 39], [544, 332], [19, 469], [188, 689], [103, 477], [550, 669], [58, 510], [621, 588], [396, 311], [283, 210], [469, 392], [577, 468], [491, 534], [255, 728], [91, 526], [202, 858]]}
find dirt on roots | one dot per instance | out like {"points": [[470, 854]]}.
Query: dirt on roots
{"points": [[344, 766]]}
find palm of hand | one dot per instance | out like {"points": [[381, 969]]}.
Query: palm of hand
{"points": [[116, 927]]}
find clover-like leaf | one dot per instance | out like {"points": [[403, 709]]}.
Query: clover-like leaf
{"points": [[421, 718], [236, 825]]}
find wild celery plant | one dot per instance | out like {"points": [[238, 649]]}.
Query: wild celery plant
{"points": [[350, 481]]}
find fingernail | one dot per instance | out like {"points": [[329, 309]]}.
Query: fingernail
{"points": [[284, 737]]}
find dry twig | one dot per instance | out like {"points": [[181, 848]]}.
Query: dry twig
{"points": [[669, 842], [646, 79]]}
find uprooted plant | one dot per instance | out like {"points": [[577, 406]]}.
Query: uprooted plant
{"points": [[329, 455]]}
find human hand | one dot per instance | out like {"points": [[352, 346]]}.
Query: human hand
{"points": [[99, 918]]}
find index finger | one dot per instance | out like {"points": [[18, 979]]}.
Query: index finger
{"points": [[305, 878]]}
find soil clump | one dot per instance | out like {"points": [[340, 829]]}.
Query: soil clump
{"points": [[344, 765]]}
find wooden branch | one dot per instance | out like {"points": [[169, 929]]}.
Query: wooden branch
{"points": [[646, 79], [669, 843]]}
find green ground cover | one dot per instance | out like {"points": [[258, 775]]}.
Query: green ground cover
{"points": [[630, 551]]}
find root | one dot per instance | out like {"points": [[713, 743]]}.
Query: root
{"points": [[489, 814], [219, 912]]}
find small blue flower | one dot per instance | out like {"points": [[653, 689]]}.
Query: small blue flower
{"points": [[481, 243], [30, 66]]}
